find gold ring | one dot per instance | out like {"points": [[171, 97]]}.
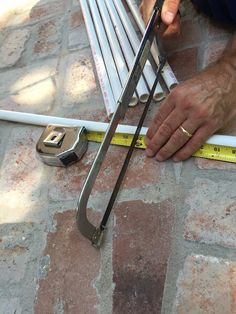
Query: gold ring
{"points": [[185, 132]]}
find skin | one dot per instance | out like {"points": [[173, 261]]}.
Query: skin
{"points": [[202, 105]]}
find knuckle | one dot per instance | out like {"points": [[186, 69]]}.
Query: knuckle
{"points": [[159, 118], [153, 146], [178, 94], [175, 138], [175, 93], [165, 130], [202, 113]]}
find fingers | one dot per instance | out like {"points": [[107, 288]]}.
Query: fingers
{"points": [[173, 28], [165, 132], [146, 8], [177, 140], [200, 136], [169, 11], [165, 109]]}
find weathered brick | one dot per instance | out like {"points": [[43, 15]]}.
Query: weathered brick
{"points": [[30, 88], [142, 172], [212, 214], [14, 12], [15, 80], [21, 174], [79, 79], [13, 47], [184, 63], [206, 286], [203, 163], [18, 13], [15, 242], [78, 38], [190, 36], [141, 247], [74, 265], [48, 38], [51, 8], [213, 52], [76, 17], [37, 98], [10, 305]]}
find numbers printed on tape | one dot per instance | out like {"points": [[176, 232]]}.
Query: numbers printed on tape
{"points": [[209, 151], [217, 152]]}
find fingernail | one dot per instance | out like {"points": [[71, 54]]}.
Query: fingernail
{"points": [[169, 17], [149, 152]]}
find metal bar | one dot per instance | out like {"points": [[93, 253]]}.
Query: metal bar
{"points": [[84, 225]]}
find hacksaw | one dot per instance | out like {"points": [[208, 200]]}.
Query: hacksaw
{"points": [[95, 233]]}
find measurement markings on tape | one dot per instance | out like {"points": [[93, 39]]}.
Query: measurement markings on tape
{"points": [[209, 151], [217, 152]]}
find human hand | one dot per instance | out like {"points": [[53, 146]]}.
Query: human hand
{"points": [[169, 15], [201, 106]]}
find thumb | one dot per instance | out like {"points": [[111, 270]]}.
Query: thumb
{"points": [[169, 11]]}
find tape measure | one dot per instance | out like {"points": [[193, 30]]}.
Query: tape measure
{"points": [[209, 151]]}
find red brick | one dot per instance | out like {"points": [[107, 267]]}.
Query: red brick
{"points": [[43, 48], [74, 264], [206, 285], [142, 171], [184, 63], [48, 28], [141, 247], [47, 38], [76, 18], [211, 218], [21, 171], [41, 11]]}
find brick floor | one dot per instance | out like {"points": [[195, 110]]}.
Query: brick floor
{"points": [[170, 243]]}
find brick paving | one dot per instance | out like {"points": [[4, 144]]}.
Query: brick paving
{"points": [[170, 245]]}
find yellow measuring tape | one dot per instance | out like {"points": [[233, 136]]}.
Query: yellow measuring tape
{"points": [[210, 151]]}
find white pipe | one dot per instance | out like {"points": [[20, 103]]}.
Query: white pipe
{"points": [[106, 51], [135, 42], [107, 93], [139, 21], [167, 73], [115, 47], [169, 77], [42, 120], [141, 88]]}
